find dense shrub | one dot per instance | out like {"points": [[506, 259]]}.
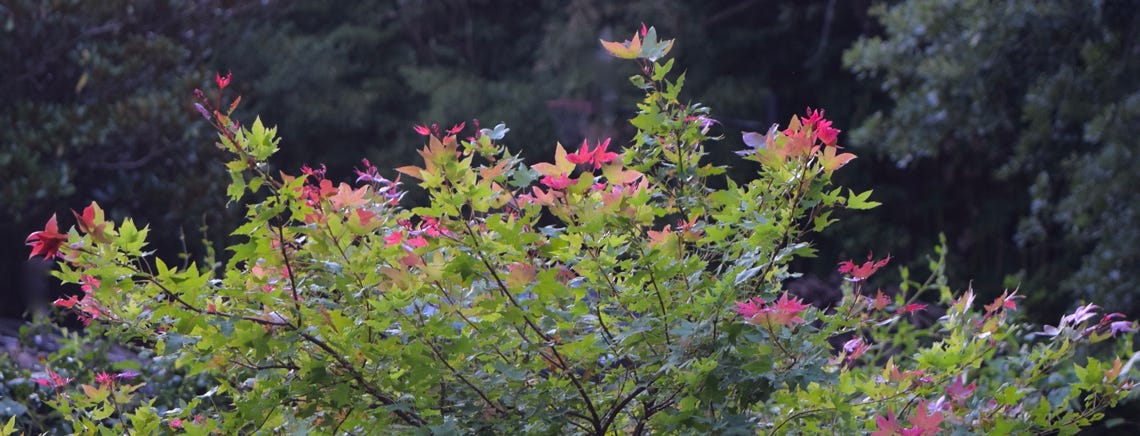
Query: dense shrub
{"points": [[596, 293]]}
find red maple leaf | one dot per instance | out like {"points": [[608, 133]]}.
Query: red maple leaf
{"points": [[68, 303], [861, 272], [223, 82], [911, 308], [46, 242], [92, 222]]}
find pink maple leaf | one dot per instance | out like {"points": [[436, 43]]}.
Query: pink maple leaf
{"points": [[782, 312], [750, 307], [104, 379], [924, 423], [886, 425], [393, 238], [54, 380], [959, 391], [598, 156], [557, 183]]}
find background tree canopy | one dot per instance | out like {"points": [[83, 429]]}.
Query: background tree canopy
{"points": [[1018, 121], [1010, 126]]}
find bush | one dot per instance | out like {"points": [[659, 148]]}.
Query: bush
{"points": [[597, 293]]}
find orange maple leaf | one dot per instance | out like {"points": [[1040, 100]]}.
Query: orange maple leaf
{"points": [[347, 197], [630, 49], [561, 165]]}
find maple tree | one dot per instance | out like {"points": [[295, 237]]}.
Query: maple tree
{"points": [[601, 292]]}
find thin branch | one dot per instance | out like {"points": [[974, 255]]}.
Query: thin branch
{"points": [[409, 417], [439, 355]]}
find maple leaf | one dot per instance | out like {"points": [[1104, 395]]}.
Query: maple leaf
{"points": [[557, 183], [757, 142], [520, 274], [347, 197], [1006, 300], [657, 238], [393, 238], [54, 380], [788, 309], [861, 272], [561, 165], [827, 134], [223, 82], [911, 308], [782, 312], [431, 227], [366, 218], [491, 173], [66, 304], [630, 49], [855, 347], [923, 422], [959, 391], [46, 242], [750, 307], [417, 241], [92, 222], [881, 300], [1080, 315], [616, 174], [457, 128], [371, 174], [1113, 373], [799, 143], [412, 171], [545, 198], [89, 284], [1122, 327], [688, 229], [821, 127], [813, 117], [831, 162], [435, 154], [887, 425], [596, 158], [104, 379]]}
